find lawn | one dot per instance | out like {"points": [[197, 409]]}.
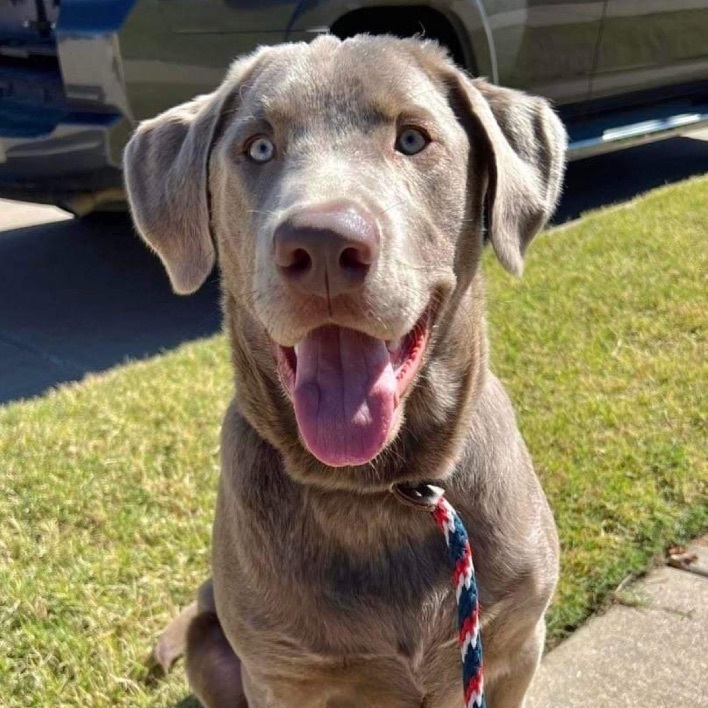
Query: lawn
{"points": [[108, 485]]}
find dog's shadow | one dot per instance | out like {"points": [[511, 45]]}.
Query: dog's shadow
{"points": [[154, 673]]}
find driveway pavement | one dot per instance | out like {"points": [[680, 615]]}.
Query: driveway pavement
{"points": [[82, 297], [79, 297], [650, 652]]}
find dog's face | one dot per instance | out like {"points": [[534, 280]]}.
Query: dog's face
{"points": [[343, 183], [353, 193]]}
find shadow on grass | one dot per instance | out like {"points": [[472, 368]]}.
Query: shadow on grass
{"points": [[154, 673]]}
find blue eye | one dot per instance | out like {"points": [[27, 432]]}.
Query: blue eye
{"points": [[261, 150], [411, 141]]}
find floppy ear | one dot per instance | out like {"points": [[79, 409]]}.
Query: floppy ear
{"points": [[524, 145], [166, 167]]}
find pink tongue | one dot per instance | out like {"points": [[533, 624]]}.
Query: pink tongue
{"points": [[345, 395]]}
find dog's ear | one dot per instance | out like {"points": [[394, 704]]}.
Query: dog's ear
{"points": [[523, 143], [166, 175]]}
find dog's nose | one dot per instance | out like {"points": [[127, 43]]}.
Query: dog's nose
{"points": [[326, 250]]}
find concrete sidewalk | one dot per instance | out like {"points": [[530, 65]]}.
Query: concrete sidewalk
{"points": [[654, 655]]}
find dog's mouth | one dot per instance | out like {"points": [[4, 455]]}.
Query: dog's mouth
{"points": [[346, 388]]}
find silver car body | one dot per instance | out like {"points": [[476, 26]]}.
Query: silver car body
{"points": [[77, 75]]}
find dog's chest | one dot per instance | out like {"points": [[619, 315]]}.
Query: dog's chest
{"points": [[386, 612]]}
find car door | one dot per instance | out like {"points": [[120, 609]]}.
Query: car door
{"points": [[173, 50], [545, 46], [651, 44], [219, 16]]}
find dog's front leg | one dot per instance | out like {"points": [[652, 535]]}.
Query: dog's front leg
{"points": [[509, 689], [213, 669]]}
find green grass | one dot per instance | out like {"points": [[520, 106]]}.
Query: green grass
{"points": [[602, 346], [107, 486]]}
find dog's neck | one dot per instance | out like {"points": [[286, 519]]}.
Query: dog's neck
{"points": [[445, 392]]}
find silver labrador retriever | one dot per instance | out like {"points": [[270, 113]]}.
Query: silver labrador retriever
{"points": [[344, 187]]}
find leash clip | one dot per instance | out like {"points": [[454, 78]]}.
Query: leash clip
{"points": [[423, 495]]}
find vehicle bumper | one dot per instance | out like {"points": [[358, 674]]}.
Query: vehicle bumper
{"points": [[75, 165], [64, 115]]}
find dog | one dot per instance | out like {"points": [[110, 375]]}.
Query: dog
{"points": [[347, 189]]}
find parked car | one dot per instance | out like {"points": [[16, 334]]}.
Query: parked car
{"points": [[77, 75]]}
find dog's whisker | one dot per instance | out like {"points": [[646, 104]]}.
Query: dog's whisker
{"points": [[383, 210]]}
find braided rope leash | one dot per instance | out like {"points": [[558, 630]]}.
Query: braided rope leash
{"points": [[430, 498]]}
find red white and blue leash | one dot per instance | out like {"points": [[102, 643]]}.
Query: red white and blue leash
{"points": [[430, 498]]}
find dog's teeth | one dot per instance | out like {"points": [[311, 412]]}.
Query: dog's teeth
{"points": [[394, 346]]}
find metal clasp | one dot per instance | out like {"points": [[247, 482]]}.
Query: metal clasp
{"points": [[423, 495]]}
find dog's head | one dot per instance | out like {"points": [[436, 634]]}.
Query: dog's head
{"points": [[343, 185]]}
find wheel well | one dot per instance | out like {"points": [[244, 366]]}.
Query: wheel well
{"points": [[402, 21]]}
